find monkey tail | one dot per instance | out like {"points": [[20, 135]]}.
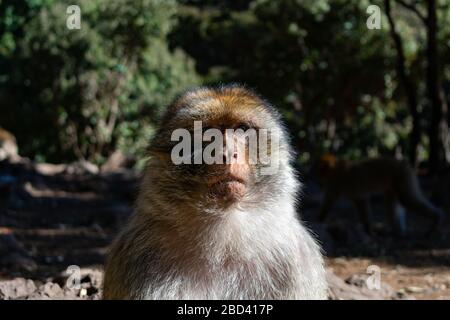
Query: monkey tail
{"points": [[412, 198]]}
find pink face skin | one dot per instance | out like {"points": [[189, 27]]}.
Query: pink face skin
{"points": [[230, 186], [230, 181]]}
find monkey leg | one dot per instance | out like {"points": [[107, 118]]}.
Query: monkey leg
{"points": [[416, 202], [362, 206], [395, 214]]}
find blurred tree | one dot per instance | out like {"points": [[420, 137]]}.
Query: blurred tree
{"points": [[408, 84], [316, 60], [341, 86], [71, 94], [438, 132], [438, 128]]}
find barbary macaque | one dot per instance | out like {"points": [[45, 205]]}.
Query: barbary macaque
{"points": [[223, 230], [359, 180]]}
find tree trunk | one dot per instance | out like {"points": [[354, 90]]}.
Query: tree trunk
{"points": [[438, 122], [408, 85]]}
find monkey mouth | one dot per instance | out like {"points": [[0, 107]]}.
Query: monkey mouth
{"points": [[225, 179], [229, 187]]}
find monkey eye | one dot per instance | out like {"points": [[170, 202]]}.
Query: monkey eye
{"points": [[243, 127]]}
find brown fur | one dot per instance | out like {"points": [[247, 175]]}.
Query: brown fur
{"points": [[190, 240]]}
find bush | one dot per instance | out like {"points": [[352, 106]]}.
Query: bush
{"points": [[70, 94]]}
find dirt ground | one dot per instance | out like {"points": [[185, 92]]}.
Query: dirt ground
{"points": [[415, 265], [56, 216]]}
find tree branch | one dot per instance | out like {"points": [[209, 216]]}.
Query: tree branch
{"points": [[413, 8], [407, 83]]}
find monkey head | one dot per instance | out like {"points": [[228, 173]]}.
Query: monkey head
{"points": [[220, 147]]}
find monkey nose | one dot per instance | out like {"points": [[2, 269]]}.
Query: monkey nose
{"points": [[229, 156]]}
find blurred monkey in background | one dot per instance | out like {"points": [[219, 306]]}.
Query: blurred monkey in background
{"points": [[359, 180]]}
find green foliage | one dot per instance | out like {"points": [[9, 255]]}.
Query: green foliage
{"points": [[334, 80], [83, 93], [315, 60]]}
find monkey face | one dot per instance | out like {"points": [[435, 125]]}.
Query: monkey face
{"points": [[231, 174], [217, 146]]}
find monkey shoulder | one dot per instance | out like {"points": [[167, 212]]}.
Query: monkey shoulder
{"points": [[131, 259], [312, 282]]}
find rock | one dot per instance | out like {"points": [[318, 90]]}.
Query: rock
{"points": [[82, 167], [357, 280], [413, 289], [83, 292], [50, 169], [90, 287], [355, 288], [115, 162], [90, 284], [92, 276], [52, 290], [8, 145], [77, 168], [18, 288]]}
